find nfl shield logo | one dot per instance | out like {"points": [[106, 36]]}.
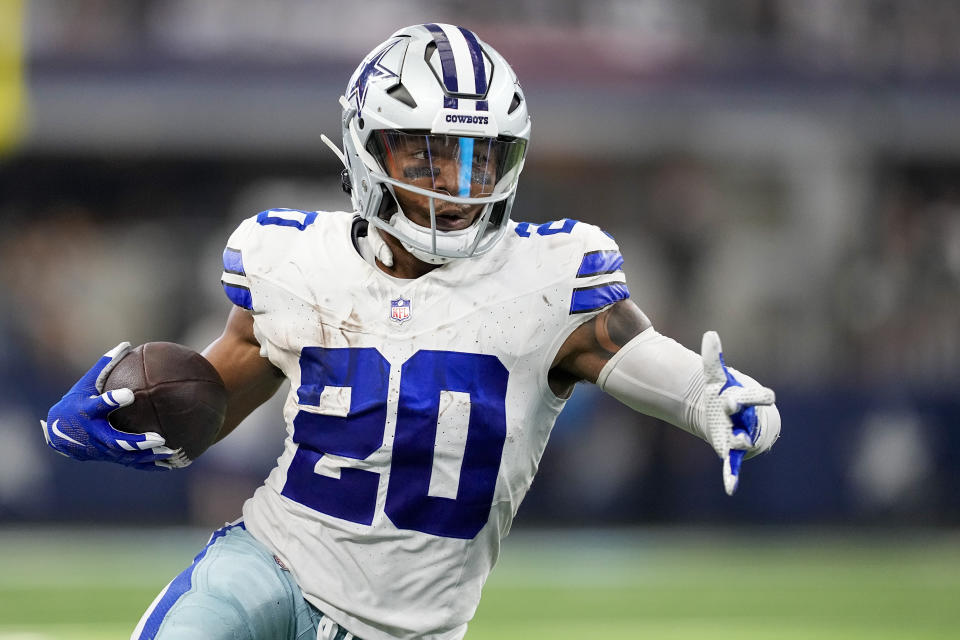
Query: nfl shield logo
{"points": [[400, 309]]}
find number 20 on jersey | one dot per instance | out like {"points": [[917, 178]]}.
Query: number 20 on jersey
{"points": [[360, 433]]}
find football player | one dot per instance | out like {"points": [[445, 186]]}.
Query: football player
{"points": [[430, 342]]}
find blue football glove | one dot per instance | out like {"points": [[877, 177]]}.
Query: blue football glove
{"points": [[77, 426], [732, 423]]}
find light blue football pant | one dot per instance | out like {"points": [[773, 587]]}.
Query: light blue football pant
{"points": [[234, 590]]}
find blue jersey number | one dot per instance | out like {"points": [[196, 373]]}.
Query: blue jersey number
{"points": [[363, 376], [547, 228]]}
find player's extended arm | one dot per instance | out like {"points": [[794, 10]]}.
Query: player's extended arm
{"points": [[621, 352], [250, 379]]}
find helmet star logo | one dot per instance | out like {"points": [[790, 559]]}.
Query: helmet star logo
{"points": [[371, 70]]}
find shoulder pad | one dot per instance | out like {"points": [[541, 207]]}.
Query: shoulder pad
{"points": [[566, 230], [258, 239], [589, 257], [236, 284]]}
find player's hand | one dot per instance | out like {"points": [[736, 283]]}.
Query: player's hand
{"points": [[77, 426], [732, 423]]}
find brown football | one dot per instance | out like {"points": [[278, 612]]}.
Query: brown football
{"points": [[177, 393]]}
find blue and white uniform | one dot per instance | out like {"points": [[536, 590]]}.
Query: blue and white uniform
{"points": [[418, 409]]}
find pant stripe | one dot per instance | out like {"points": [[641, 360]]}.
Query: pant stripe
{"points": [[153, 618]]}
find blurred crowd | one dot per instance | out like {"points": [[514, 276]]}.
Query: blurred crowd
{"points": [[830, 264], [882, 38]]}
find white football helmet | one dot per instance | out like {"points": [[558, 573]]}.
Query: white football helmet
{"points": [[439, 95]]}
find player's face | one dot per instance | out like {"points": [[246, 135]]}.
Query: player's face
{"points": [[462, 167]]}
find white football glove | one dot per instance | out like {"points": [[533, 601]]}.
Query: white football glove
{"points": [[738, 418]]}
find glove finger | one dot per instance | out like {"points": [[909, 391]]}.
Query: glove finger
{"points": [[177, 461], [736, 398], [740, 441], [88, 383], [46, 434], [151, 440], [139, 441], [116, 355], [101, 405], [731, 471], [164, 450], [757, 395], [140, 457], [710, 351], [768, 429]]}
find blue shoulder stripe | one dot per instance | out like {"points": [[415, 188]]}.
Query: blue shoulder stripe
{"points": [[596, 263], [586, 299], [238, 295], [233, 261]]}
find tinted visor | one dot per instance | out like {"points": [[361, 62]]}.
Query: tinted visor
{"points": [[459, 166]]}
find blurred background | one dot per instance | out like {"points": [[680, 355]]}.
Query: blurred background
{"points": [[786, 173]]}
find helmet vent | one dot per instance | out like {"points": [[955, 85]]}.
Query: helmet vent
{"points": [[428, 51], [515, 104], [400, 93]]}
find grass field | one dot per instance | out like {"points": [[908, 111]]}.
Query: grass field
{"points": [[668, 585]]}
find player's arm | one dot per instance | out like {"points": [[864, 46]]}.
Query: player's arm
{"points": [[622, 353], [78, 426], [250, 379], [591, 345]]}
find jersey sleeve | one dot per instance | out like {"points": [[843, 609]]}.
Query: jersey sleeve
{"points": [[235, 281], [597, 279], [258, 242]]}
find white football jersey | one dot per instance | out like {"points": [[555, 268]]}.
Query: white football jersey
{"points": [[418, 409]]}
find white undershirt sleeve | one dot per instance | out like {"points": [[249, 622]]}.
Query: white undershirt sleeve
{"points": [[659, 377]]}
